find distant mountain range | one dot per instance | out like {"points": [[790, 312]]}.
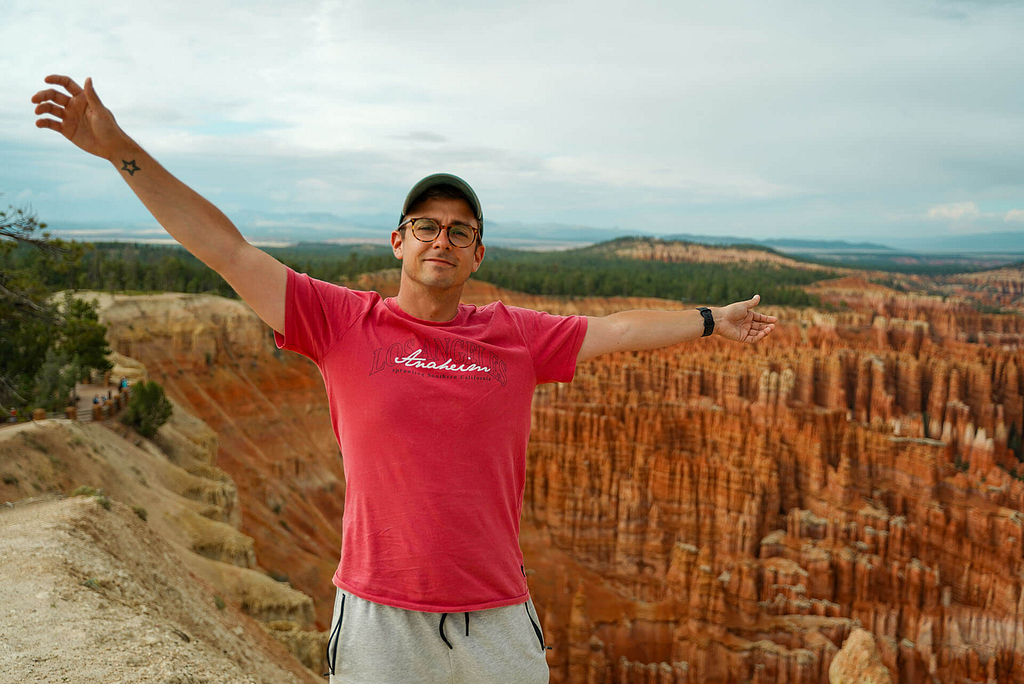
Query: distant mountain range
{"points": [[286, 228], [1007, 242], [784, 244]]}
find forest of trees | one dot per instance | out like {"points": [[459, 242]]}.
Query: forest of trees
{"points": [[589, 271]]}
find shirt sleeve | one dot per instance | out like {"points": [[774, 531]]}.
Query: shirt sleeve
{"points": [[317, 314], [554, 342]]}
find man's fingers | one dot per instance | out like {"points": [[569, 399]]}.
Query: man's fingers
{"points": [[51, 94], [65, 81], [49, 123], [759, 333], [50, 108], [90, 94]]}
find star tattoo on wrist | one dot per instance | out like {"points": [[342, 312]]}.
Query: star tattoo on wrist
{"points": [[130, 166]]}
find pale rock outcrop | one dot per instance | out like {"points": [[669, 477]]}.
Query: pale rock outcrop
{"points": [[858, 662]]}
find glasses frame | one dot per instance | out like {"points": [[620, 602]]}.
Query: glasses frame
{"points": [[448, 227]]}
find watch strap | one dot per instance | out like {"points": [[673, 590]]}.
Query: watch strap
{"points": [[709, 320]]}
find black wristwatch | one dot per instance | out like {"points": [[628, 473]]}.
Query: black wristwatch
{"points": [[709, 320]]}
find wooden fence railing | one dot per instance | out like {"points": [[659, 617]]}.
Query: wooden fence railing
{"points": [[102, 411]]}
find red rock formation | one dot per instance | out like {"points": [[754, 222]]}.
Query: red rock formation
{"points": [[1000, 287], [707, 513], [268, 408], [812, 470]]}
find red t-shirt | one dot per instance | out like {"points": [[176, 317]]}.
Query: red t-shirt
{"points": [[433, 421]]}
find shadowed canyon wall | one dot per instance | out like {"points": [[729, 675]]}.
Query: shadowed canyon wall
{"points": [[706, 513]]}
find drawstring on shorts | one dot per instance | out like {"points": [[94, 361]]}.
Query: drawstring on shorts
{"points": [[440, 628], [536, 628]]}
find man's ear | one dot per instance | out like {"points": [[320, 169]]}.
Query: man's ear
{"points": [[396, 244], [478, 256]]}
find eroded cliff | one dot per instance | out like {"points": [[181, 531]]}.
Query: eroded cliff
{"points": [[706, 513], [747, 506]]}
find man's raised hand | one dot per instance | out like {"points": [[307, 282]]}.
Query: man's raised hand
{"points": [[80, 116], [740, 323]]}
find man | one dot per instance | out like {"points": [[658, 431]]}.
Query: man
{"points": [[430, 401]]}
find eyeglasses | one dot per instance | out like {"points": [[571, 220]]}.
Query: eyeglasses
{"points": [[427, 230]]}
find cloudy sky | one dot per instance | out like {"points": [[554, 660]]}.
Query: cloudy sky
{"points": [[855, 120]]}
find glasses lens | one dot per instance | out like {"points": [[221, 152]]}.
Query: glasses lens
{"points": [[425, 229], [461, 236]]}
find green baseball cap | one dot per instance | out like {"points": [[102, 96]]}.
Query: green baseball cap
{"points": [[445, 179]]}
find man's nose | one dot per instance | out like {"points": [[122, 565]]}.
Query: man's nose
{"points": [[446, 241]]}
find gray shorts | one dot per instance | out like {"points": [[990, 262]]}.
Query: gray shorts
{"points": [[372, 643]]}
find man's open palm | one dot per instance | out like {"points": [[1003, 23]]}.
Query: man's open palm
{"points": [[80, 116], [740, 323]]}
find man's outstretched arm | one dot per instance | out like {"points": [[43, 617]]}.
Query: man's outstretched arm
{"points": [[200, 227], [640, 330]]}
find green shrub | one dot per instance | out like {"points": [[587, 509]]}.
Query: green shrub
{"points": [[98, 494], [220, 602], [148, 408], [141, 512]]}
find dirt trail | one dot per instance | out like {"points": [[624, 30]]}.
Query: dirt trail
{"points": [[95, 595]]}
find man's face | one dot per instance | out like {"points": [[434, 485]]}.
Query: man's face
{"points": [[438, 264]]}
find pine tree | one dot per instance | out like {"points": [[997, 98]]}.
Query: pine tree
{"points": [[148, 408], [41, 346]]}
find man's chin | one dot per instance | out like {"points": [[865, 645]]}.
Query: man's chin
{"points": [[437, 283]]}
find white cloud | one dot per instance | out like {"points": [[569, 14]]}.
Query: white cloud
{"points": [[756, 115], [956, 211], [963, 218], [699, 184]]}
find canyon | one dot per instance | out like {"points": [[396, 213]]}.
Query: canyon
{"points": [[710, 512]]}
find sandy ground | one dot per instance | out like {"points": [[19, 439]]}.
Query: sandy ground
{"points": [[95, 595]]}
